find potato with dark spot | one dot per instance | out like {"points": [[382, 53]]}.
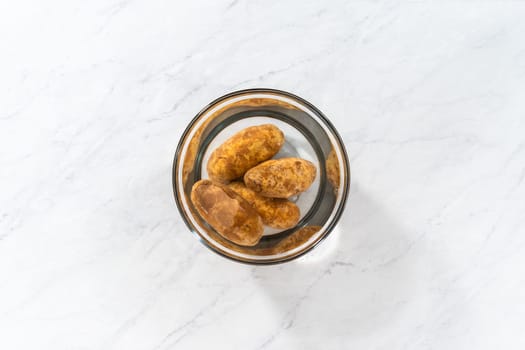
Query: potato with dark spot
{"points": [[227, 212], [274, 212], [281, 178], [244, 150]]}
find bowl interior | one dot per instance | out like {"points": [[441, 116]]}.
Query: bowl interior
{"points": [[308, 135], [296, 145]]}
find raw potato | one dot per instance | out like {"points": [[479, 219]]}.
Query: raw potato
{"points": [[332, 170], [281, 178], [295, 239], [244, 150], [227, 212], [191, 153], [274, 212]]}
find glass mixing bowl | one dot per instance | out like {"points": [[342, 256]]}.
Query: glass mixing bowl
{"points": [[308, 135]]}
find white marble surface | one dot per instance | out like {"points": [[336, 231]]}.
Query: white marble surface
{"points": [[428, 96]]}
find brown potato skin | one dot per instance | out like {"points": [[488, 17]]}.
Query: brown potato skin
{"points": [[289, 242], [274, 212], [332, 170], [295, 239], [227, 212], [281, 178], [244, 150]]}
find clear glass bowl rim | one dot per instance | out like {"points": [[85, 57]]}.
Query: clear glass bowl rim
{"points": [[345, 190]]}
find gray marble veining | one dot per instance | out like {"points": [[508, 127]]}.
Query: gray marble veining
{"points": [[429, 98]]}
